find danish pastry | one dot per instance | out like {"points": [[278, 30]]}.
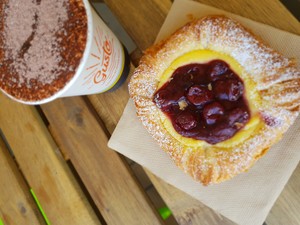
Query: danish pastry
{"points": [[215, 97]]}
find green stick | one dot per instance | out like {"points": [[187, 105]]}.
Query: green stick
{"points": [[40, 208], [1, 223], [165, 212]]}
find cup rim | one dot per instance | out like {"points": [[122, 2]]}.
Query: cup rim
{"points": [[80, 67]]}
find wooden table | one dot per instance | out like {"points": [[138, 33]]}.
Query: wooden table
{"points": [[59, 152]]}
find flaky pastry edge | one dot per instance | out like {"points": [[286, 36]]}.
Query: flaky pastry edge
{"points": [[277, 81]]}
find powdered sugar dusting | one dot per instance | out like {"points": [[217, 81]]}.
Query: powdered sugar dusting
{"points": [[256, 58], [277, 81], [30, 38]]}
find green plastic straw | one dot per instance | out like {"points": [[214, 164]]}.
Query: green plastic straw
{"points": [[40, 208], [1, 223], [165, 212]]}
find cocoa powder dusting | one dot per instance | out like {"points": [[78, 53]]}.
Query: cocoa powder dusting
{"points": [[41, 45]]}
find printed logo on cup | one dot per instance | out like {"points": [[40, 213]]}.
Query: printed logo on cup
{"points": [[104, 61]]}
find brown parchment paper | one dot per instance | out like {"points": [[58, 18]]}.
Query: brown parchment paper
{"points": [[247, 198]]}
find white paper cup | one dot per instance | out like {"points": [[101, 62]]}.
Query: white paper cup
{"points": [[102, 67]]}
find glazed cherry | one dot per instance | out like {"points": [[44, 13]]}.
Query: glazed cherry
{"points": [[196, 71], [166, 99], [217, 69], [186, 120], [204, 101], [198, 75], [213, 112], [199, 95], [162, 99], [229, 89], [221, 132], [237, 116]]}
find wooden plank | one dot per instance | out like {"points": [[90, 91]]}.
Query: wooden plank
{"points": [[110, 105], [293, 7], [141, 19], [185, 207], [43, 166], [105, 175], [150, 16], [271, 12], [16, 204]]}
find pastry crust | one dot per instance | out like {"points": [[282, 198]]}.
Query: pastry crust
{"points": [[276, 79]]}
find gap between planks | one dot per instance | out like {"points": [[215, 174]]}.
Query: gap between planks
{"points": [[111, 185], [46, 172], [109, 106], [17, 206], [65, 156]]}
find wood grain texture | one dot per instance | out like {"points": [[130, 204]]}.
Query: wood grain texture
{"points": [[16, 203], [110, 105], [187, 210], [293, 6], [141, 19], [43, 166], [111, 113], [271, 12], [104, 174]]}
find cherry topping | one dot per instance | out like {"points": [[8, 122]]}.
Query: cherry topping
{"points": [[213, 112], [217, 69], [186, 120], [221, 133], [238, 116], [199, 95], [230, 89], [196, 71], [198, 75], [162, 99], [204, 101], [166, 99]]}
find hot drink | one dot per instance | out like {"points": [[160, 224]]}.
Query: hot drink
{"points": [[56, 48]]}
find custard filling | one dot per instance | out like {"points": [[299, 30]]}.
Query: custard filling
{"points": [[213, 101]]}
